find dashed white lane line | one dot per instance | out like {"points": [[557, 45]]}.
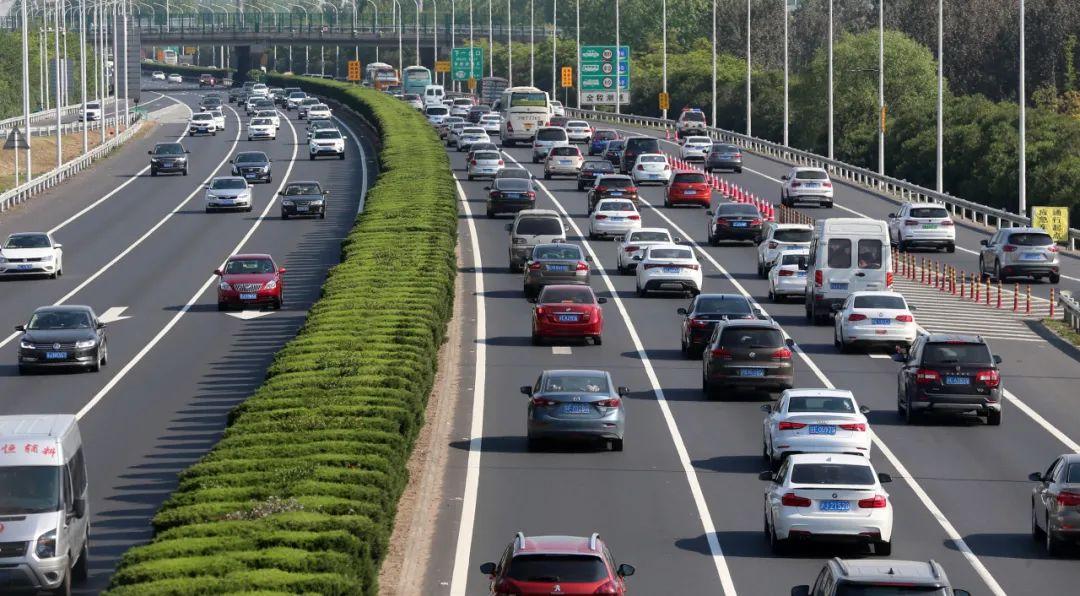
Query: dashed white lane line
{"points": [[879, 355], [561, 350]]}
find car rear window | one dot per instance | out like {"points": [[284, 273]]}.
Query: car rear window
{"points": [[698, 141], [670, 253], [616, 206], [737, 209], [694, 116], [616, 145], [934, 212], [894, 302], [514, 173], [619, 182], [689, 178], [566, 252], [601, 166], [437, 111], [551, 134], [643, 145], [650, 237], [820, 403], [473, 131], [513, 184], [793, 235], [577, 124], [725, 149], [652, 159], [723, 306], [952, 353], [566, 151], [565, 295], [537, 226], [831, 474], [605, 135], [577, 383], [1072, 475], [752, 337], [872, 589], [811, 175], [1030, 239], [839, 253], [479, 155]]}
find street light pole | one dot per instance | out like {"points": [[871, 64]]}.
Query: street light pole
{"points": [[714, 63], [376, 32], [830, 152], [491, 43], [786, 115], [532, 45], [509, 48], [417, 3], [940, 101], [26, 86], [749, 99], [663, 67], [82, 73], [554, 42], [59, 80], [435, 32], [1021, 207], [577, 39], [127, 101], [618, 63], [881, 87]]}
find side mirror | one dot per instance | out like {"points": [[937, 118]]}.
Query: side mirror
{"points": [[526, 390], [891, 216], [20, 328], [789, 342], [588, 259], [765, 475], [625, 570], [864, 410], [767, 408], [983, 243], [619, 238], [509, 227], [326, 192], [677, 240], [899, 357], [959, 592], [800, 591], [681, 311], [623, 391], [186, 151], [601, 300], [1035, 477], [709, 212], [101, 325], [997, 359], [531, 299], [912, 307], [488, 569], [835, 307], [151, 152], [59, 246], [636, 258], [281, 193], [487, 188], [760, 313], [784, 177], [281, 270], [883, 478], [218, 272], [79, 505]]}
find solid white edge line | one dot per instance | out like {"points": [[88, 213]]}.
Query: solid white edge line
{"points": [[717, 553], [202, 289], [363, 164], [463, 549], [935, 512]]}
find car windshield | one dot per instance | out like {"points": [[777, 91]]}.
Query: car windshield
{"points": [[751, 337], [262, 122], [792, 235], [319, 107], [670, 253], [729, 305], [1030, 239], [737, 209], [551, 134], [485, 155], [598, 166], [832, 474], [935, 212], [689, 178], [489, 118], [652, 159], [566, 151], [309, 101], [202, 117], [558, 252], [297, 95], [539, 226], [328, 134], [862, 589], [888, 302], [615, 206], [811, 175], [249, 266], [605, 135], [26, 490], [577, 383], [820, 403], [293, 190], [93, 105], [60, 319], [567, 569], [251, 158], [228, 184], [27, 241], [649, 237], [513, 184], [616, 182], [565, 295], [694, 116], [170, 149], [946, 353]]}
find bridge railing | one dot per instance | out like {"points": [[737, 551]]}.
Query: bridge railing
{"points": [[886, 185], [295, 22]]}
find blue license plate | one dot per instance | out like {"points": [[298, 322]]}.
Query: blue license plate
{"points": [[738, 224], [811, 185], [576, 408], [835, 285], [615, 194], [1032, 256], [957, 380], [568, 318], [25, 267], [881, 321], [615, 218], [56, 355], [822, 429], [800, 274], [513, 195], [248, 296], [751, 372], [565, 162], [557, 268], [671, 270], [835, 506], [689, 192]]}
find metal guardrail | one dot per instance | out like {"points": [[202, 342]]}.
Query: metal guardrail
{"points": [[54, 177], [1070, 309], [901, 190], [65, 128], [8, 123]]}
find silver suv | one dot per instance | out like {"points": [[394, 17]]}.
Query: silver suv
{"points": [[883, 577], [1019, 252], [530, 228]]}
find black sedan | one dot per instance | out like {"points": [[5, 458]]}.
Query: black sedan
{"points": [[734, 221], [510, 195], [253, 166], [704, 311], [591, 170], [303, 198], [62, 336]]}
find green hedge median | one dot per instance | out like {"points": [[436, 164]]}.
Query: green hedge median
{"points": [[187, 70], [299, 495]]}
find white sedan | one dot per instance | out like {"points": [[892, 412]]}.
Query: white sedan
{"points": [[815, 421], [261, 128], [471, 135], [157, 75], [557, 108], [175, 78], [613, 217], [778, 237], [490, 123], [228, 192], [272, 115], [485, 164], [32, 253], [874, 318], [651, 167], [636, 242], [695, 148], [823, 496], [668, 268], [202, 122], [787, 278], [578, 131], [319, 110]]}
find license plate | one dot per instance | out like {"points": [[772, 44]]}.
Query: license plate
{"points": [[301, 208], [25, 267], [565, 162], [800, 274], [56, 355], [957, 380], [513, 195], [811, 185], [929, 226], [615, 218], [835, 506], [568, 318], [615, 194], [738, 224], [1032, 256], [248, 296], [751, 372], [250, 175], [557, 268], [689, 192], [671, 269], [822, 429], [576, 408], [881, 321], [838, 285]]}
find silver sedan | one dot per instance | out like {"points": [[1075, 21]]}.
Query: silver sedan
{"points": [[575, 404]]}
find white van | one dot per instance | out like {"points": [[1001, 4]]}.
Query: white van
{"points": [[433, 95], [43, 502], [846, 255]]}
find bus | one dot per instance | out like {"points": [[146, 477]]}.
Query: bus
{"points": [[380, 75], [168, 56], [415, 79], [523, 111]]}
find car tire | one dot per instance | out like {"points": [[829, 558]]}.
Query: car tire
{"points": [[1055, 278], [951, 248], [883, 548], [993, 418], [910, 417], [982, 271], [81, 570], [997, 273], [777, 546], [547, 176], [827, 205], [532, 444], [153, 172], [761, 270], [249, 139], [772, 296], [322, 214], [104, 354], [642, 292], [738, 170], [616, 444], [311, 156], [341, 155], [1037, 533], [667, 202], [902, 245]]}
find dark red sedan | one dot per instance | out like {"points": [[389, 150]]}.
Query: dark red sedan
{"points": [[688, 188], [564, 311], [250, 280]]}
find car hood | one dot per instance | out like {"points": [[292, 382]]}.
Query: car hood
{"points": [[247, 278], [226, 192], [45, 336], [25, 253], [169, 156], [252, 164], [28, 527], [311, 197]]}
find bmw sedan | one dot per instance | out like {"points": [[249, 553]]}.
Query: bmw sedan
{"points": [[575, 404], [62, 336]]}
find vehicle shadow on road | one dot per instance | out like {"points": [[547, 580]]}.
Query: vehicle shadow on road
{"points": [[1011, 546], [740, 464], [744, 543]]}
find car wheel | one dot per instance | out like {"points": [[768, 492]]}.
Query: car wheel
{"points": [[997, 273], [616, 444], [284, 215], [222, 306], [1053, 544], [597, 340], [902, 245], [761, 270], [738, 170], [547, 176], [982, 271], [951, 248], [882, 548], [153, 172], [1055, 278], [81, 570], [777, 546], [470, 177], [772, 296], [667, 203], [993, 418], [341, 155], [532, 444], [249, 139], [185, 171], [311, 156], [1037, 533], [104, 354], [96, 366], [910, 417], [642, 292], [536, 339]]}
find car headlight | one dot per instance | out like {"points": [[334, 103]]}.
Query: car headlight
{"points": [[48, 257], [224, 286], [46, 545], [88, 343], [3, 260], [270, 285], [317, 202], [26, 345], [266, 168], [287, 203]]}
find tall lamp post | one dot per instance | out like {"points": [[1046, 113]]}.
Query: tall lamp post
{"points": [[940, 91], [1021, 206], [830, 153], [618, 63], [577, 40], [714, 63], [418, 7], [787, 17], [26, 85], [554, 42], [376, 32], [663, 68], [749, 98], [881, 87], [532, 44]]}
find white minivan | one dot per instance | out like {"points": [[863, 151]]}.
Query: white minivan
{"points": [[433, 95], [43, 502], [846, 255]]}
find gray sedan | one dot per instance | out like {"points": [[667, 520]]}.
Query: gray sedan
{"points": [[555, 264], [575, 404], [1055, 504]]}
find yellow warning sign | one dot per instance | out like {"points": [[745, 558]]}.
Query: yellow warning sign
{"points": [[1055, 220]]}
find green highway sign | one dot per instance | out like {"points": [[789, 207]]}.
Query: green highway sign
{"points": [[600, 70], [459, 64]]}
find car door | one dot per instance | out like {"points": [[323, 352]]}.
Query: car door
{"points": [[896, 222], [905, 373], [988, 253], [775, 491], [778, 411], [1047, 490]]}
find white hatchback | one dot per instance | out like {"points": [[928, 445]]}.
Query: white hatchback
{"points": [[651, 167], [175, 78], [787, 277], [579, 131], [695, 148], [485, 164], [868, 318], [490, 123], [778, 237], [613, 217], [828, 496], [815, 421], [636, 242], [471, 135], [668, 268], [919, 225]]}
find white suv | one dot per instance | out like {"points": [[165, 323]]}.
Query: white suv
{"points": [[328, 141], [922, 224], [806, 185]]}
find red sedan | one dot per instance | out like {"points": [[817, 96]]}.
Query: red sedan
{"points": [[688, 188], [567, 312], [250, 280]]}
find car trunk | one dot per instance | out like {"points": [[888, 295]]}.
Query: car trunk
{"points": [[838, 501], [557, 270], [823, 425], [566, 314]]}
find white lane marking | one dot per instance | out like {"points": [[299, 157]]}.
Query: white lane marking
{"points": [[363, 165], [195, 297], [463, 549], [722, 570], [247, 315], [879, 355], [561, 350], [935, 512], [1043, 422], [113, 314], [140, 239]]}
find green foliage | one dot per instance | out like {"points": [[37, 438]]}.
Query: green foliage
{"points": [[299, 495], [11, 95], [186, 70]]}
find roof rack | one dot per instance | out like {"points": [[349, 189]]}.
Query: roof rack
{"points": [[934, 569], [593, 541], [519, 540]]}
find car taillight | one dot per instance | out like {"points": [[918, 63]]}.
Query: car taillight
{"points": [[691, 266], [720, 221], [505, 588], [543, 401], [582, 266], [495, 194], [910, 222], [738, 156], [631, 189], [641, 168], [786, 273], [1009, 248], [755, 222], [856, 317], [509, 127], [631, 248], [609, 403], [473, 162], [905, 318], [501, 163], [773, 244], [540, 310], [535, 266], [1068, 499], [827, 184], [888, 279], [600, 216], [875, 502], [1051, 249], [990, 377], [856, 426], [633, 217], [782, 354], [699, 323], [947, 222], [601, 188], [609, 587], [818, 278], [530, 194], [796, 184], [794, 500], [791, 425], [925, 376], [721, 353]]}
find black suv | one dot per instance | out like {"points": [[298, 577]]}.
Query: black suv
{"points": [[635, 146], [703, 313], [880, 577], [168, 157], [949, 373], [747, 355], [612, 186], [254, 166]]}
